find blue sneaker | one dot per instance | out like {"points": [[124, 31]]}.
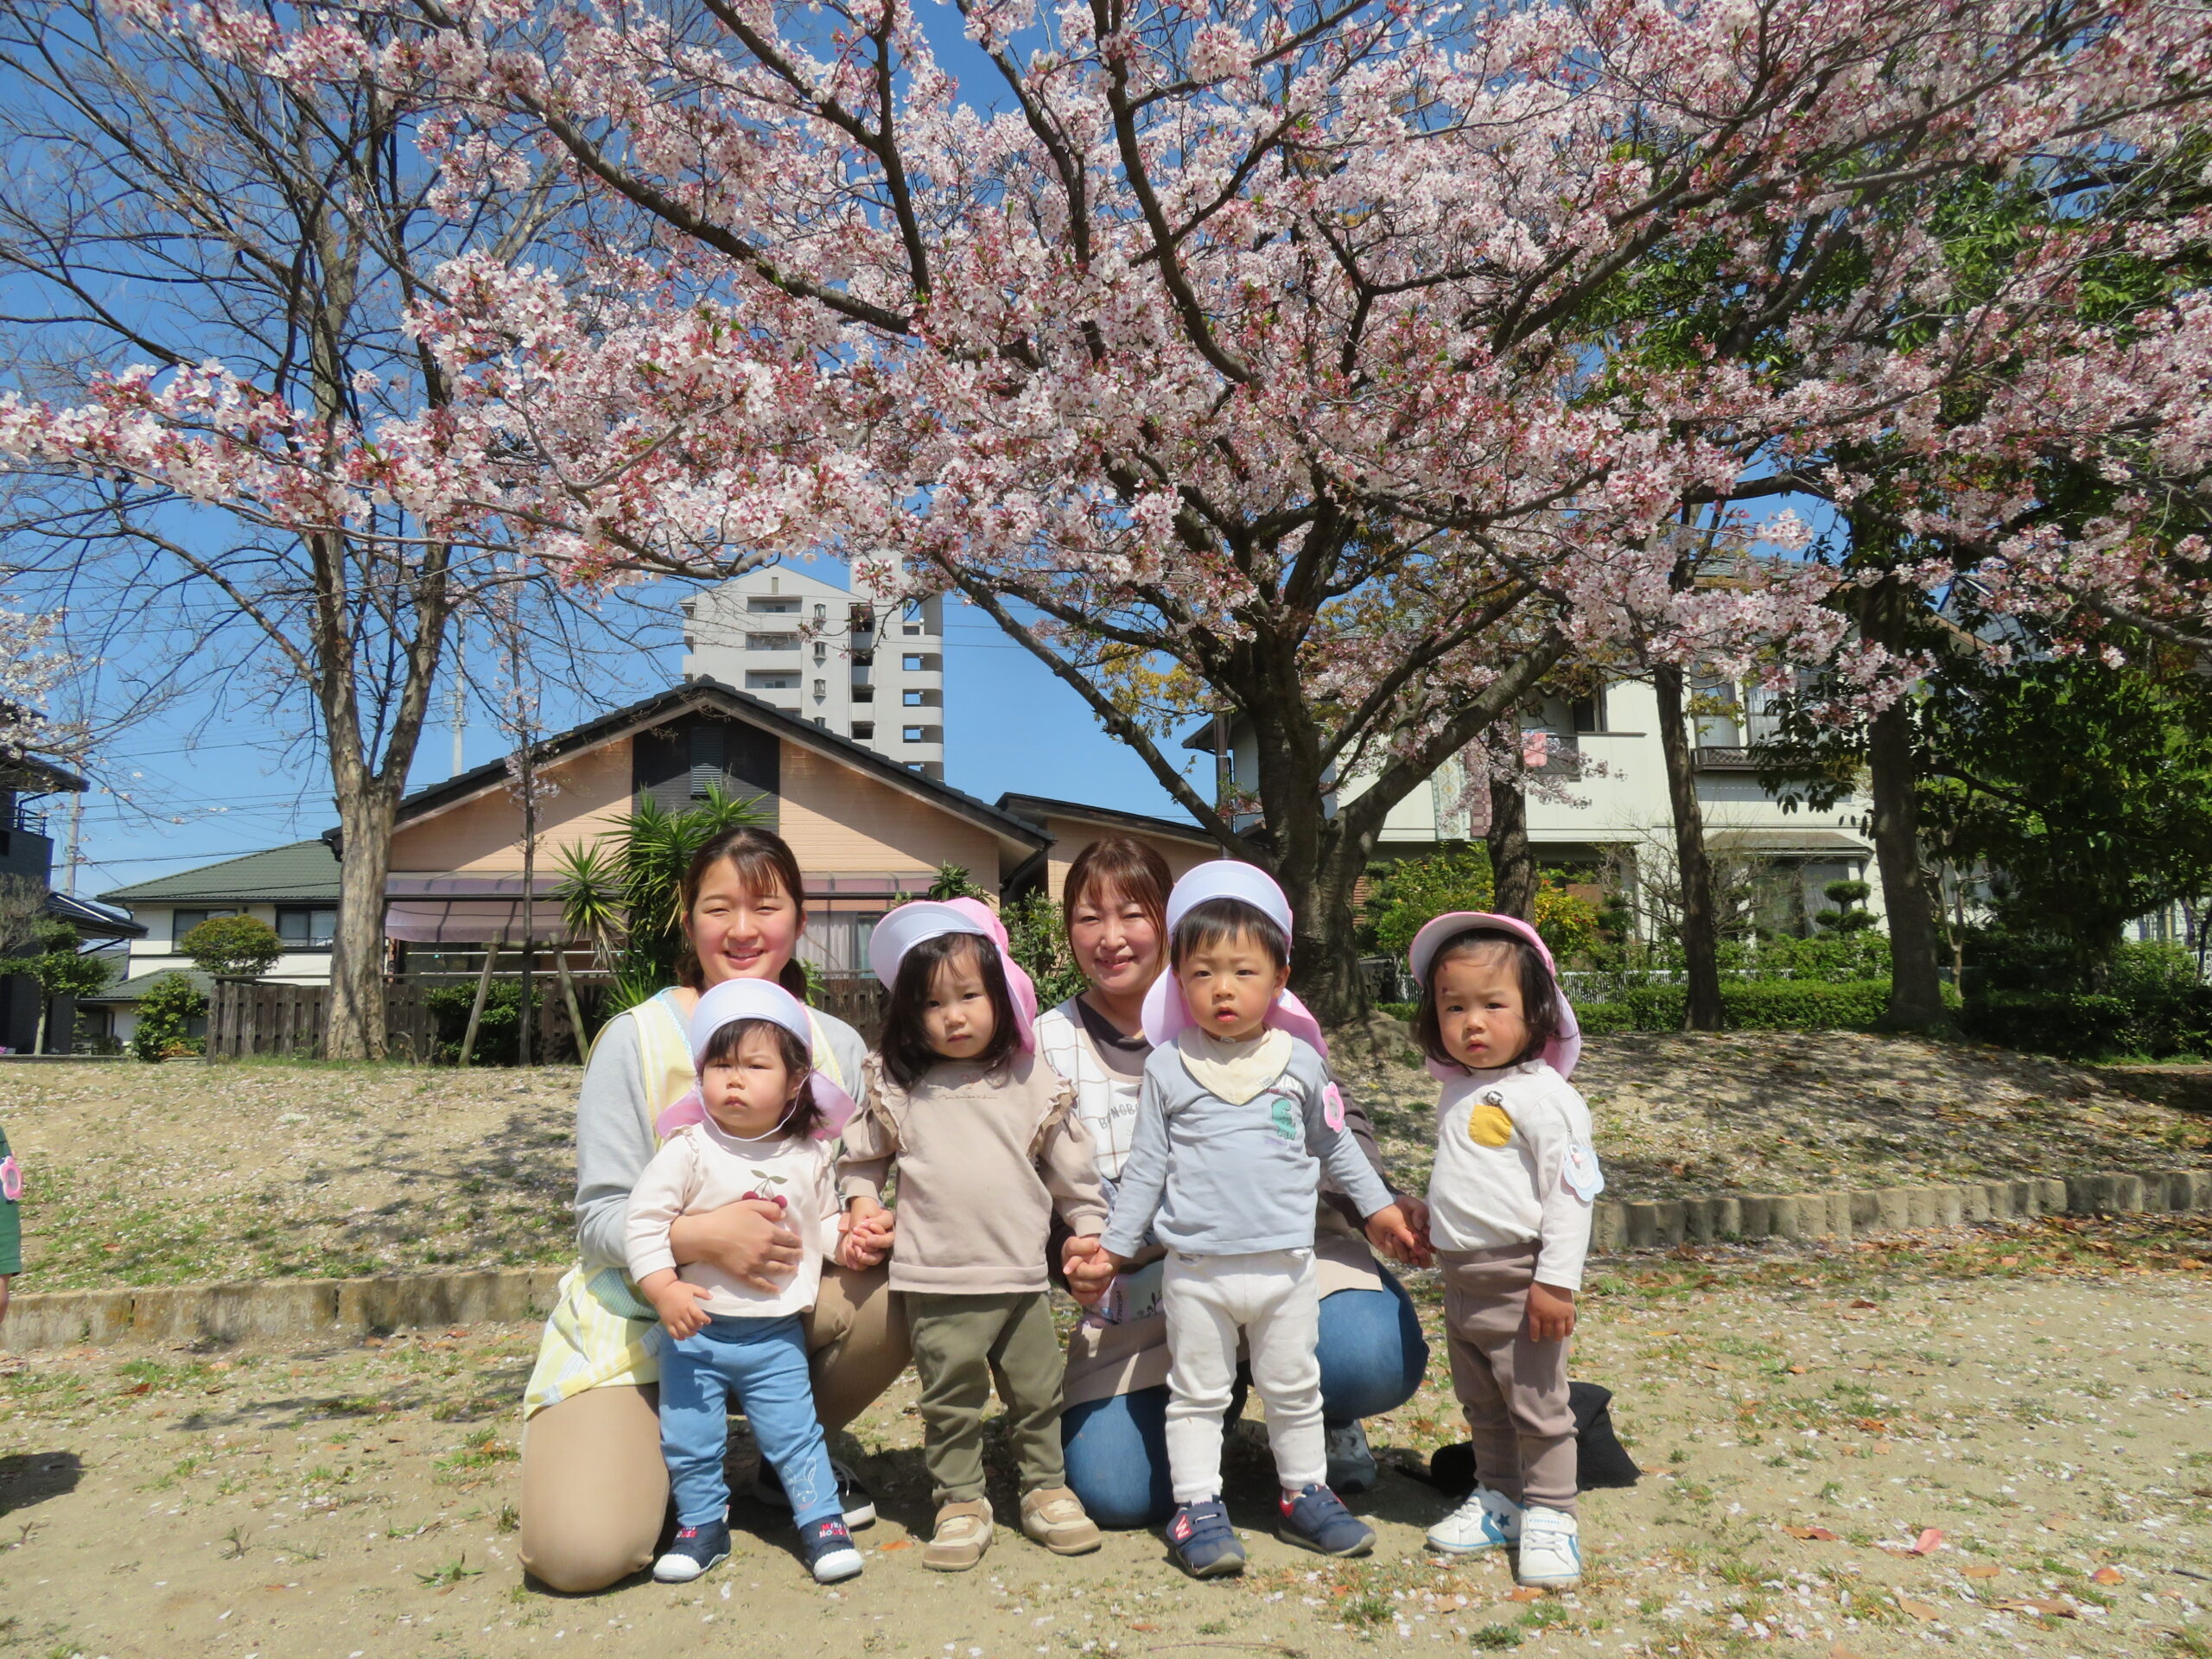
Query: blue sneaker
{"points": [[1205, 1543], [693, 1551], [827, 1546], [1318, 1520]]}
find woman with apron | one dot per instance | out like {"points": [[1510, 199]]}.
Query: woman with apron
{"points": [[1114, 1421], [595, 1489]]}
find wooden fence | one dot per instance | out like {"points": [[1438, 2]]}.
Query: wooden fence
{"points": [[249, 1016], [857, 1000]]}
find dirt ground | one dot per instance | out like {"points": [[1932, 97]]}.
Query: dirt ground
{"points": [[184, 1171], [2028, 1404]]}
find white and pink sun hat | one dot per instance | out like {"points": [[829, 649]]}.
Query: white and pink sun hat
{"points": [[1165, 1013], [1565, 1049], [931, 918], [755, 998]]}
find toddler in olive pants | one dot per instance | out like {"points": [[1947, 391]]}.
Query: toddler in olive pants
{"points": [[988, 1147]]}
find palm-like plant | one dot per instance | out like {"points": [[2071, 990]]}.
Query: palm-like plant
{"points": [[625, 890]]}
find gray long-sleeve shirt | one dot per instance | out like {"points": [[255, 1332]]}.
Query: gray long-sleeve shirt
{"points": [[1211, 1178], [614, 1124]]}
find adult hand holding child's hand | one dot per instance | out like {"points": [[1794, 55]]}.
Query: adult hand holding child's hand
{"points": [[750, 1240], [868, 1229]]}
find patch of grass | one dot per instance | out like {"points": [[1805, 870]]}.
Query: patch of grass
{"points": [[1496, 1638], [452, 1573]]}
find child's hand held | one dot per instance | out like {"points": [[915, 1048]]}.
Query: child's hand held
{"points": [[1389, 1232]]}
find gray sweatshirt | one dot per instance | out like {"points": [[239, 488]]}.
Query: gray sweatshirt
{"points": [[1233, 1180], [614, 1127]]}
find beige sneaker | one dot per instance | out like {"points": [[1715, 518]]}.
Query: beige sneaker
{"points": [[1054, 1517], [964, 1533]]}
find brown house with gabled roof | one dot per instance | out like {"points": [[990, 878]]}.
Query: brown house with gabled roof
{"points": [[865, 830]]}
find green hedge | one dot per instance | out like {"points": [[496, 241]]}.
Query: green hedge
{"points": [[1753, 1005], [2093, 1025]]}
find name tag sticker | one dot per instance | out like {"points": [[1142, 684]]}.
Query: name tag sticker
{"points": [[1580, 1174]]}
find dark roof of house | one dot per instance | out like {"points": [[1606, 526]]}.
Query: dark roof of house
{"points": [[95, 921], [135, 990], [703, 692], [305, 870], [308, 870], [1037, 808], [28, 774]]}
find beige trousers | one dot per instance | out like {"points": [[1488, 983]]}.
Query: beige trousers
{"points": [[1513, 1390], [594, 1491]]}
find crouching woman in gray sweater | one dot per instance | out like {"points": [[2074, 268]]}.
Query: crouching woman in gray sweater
{"points": [[595, 1488]]}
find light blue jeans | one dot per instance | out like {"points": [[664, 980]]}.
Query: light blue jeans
{"points": [[763, 1364], [1372, 1356]]}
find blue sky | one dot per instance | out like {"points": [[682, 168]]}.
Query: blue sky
{"points": [[234, 787], [206, 785]]}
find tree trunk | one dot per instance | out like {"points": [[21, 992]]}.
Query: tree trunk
{"points": [[1325, 967], [1916, 987], [1916, 984], [1512, 862], [357, 1007], [476, 1006], [569, 995], [1700, 936]]}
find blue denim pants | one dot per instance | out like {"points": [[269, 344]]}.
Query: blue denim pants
{"points": [[1372, 1356], [762, 1364]]}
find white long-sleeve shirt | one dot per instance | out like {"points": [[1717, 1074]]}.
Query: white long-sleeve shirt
{"points": [[701, 1168], [1512, 1147]]}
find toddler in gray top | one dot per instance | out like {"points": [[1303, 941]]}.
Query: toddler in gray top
{"points": [[1236, 1116]]}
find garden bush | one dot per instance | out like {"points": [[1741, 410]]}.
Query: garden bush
{"points": [[165, 1016], [1753, 1005]]}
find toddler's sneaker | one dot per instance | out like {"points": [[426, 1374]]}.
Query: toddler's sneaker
{"points": [[693, 1551], [1487, 1520], [1352, 1460], [1054, 1517], [964, 1533], [853, 1496], [1551, 1548], [827, 1546], [1318, 1520], [1204, 1543]]}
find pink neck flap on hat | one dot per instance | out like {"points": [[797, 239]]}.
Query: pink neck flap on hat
{"points": [[755, 998], [931, 919], [1165, 1012], [1564, 1049]]}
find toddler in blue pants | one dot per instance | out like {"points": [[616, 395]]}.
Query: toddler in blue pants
{"points": [[756, 1127]]}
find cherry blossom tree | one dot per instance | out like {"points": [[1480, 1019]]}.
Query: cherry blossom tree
{"points": [[1294, 353]]}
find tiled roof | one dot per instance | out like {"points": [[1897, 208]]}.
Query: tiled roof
{"points": [[305, 870], [135, 990]]}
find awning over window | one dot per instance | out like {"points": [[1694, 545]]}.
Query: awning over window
{"points": [[471, 921]]}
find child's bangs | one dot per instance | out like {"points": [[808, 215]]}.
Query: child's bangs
{"points": [[1220, 922]]}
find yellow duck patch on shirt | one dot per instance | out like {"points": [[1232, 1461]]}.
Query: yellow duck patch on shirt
{"points": [[1490, 1124]]}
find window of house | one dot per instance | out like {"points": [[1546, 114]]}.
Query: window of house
{"points": [[820, 612], [182, 922], [910, 662], [772, 642], [863, 730], [304, 927], [913, 734], [863, 693], [1589, 713], [821, 652], [821, 722], [863, 660], [706, 742], [821, 687], [912, 699]]}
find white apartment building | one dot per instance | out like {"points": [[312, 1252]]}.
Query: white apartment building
{"points": [[868, 669]]}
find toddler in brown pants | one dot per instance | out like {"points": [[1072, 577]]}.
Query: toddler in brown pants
{"points": [[1509, 1203]]}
